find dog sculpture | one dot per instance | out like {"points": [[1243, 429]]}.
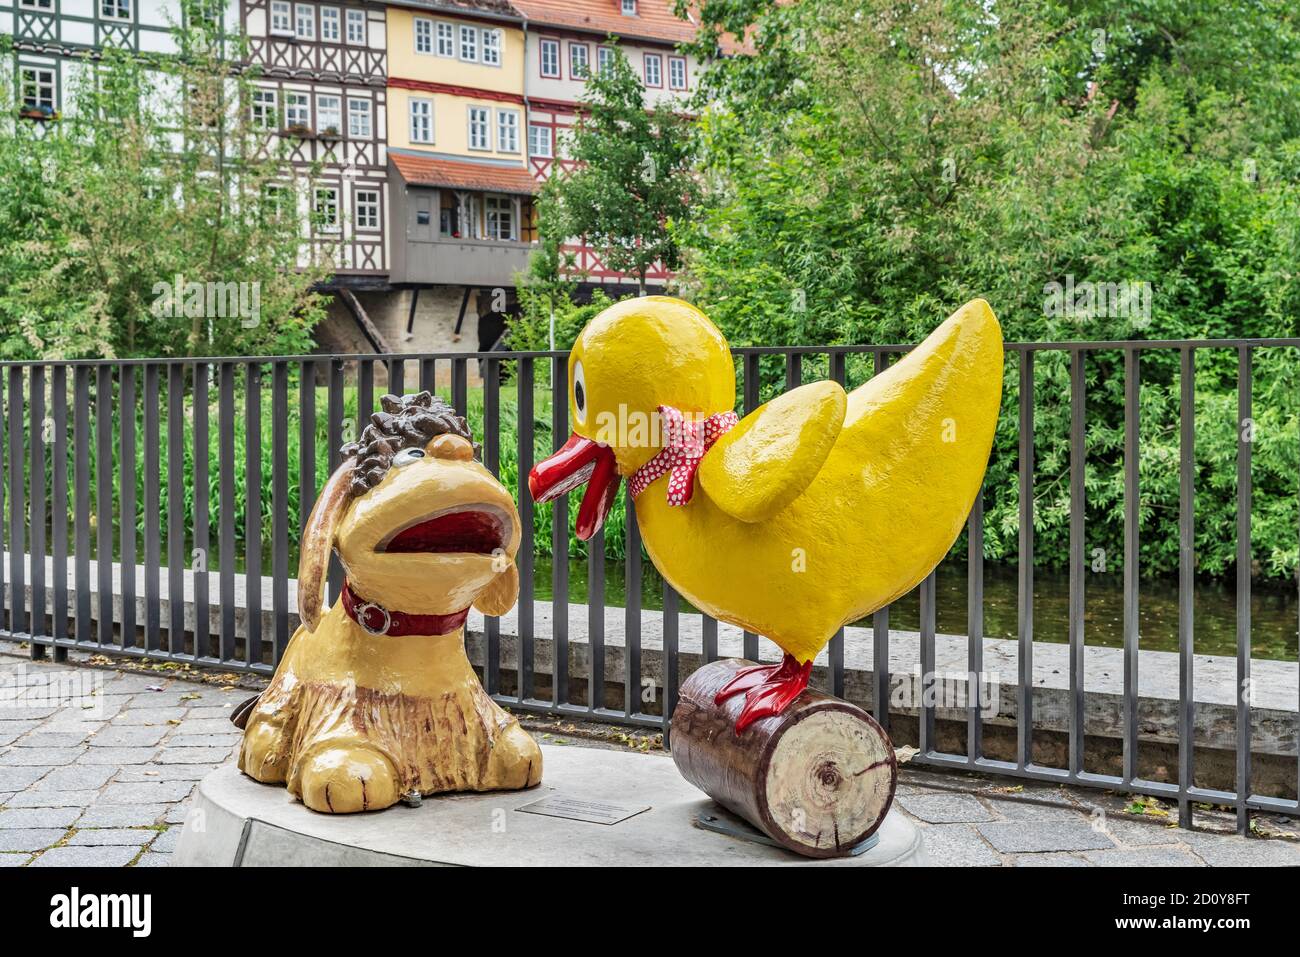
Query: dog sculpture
{"points": [[375, 699]]}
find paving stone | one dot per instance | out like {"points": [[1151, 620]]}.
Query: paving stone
{"points": [[51, 739], [25, 817], [1014, 837], [155, 792], [143, 736], [145, 773], [161, 699], [41, 797], [177, 813], [1137, 833], [213, 713], [118, 757], [122, 815], [205, 726], [205, 740], [12, 711], [96, 837], [120, 684], [957, 845], [150, 716], [86, 857], [1144, 857], [15, 779], [165, 843], [30, 838], [194, 755], [1025, 811], [5, 796], [30, 757], [14, 860], [946, 808], [1220, 851], [150, 859], [15, 730], [76, 777], [1049, 860]]}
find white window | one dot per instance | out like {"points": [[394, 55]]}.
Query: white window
{"points": [[500, 215], [492, 47], [629, 8], [329, 113], [38, 88], [359, 125], [507, 131], [539, 140], [421, 121], [264, 111], [550, 58], [604, 59], [367, 209], [115, 9], [479, 135], [304, 21], [654, 69], [329, 24], [327, 207], [357, 27], [578, 60], [677, 72], [469, 44], [446, 39], [423, 35], [297, 110], [281, 17]]}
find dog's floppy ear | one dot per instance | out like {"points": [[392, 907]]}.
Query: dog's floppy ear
{"points": [[499, 595], [318, 542]]}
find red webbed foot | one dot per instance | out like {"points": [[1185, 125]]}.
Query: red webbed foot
{"points": [[768, 689]]}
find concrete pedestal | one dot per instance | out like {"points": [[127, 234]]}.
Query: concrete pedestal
{"points": [[235, 821]]}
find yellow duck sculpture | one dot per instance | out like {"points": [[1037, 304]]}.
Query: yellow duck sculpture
{"points": [[814, 510]]}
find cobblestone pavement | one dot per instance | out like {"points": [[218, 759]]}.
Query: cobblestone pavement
{"points": [[97, 765]]}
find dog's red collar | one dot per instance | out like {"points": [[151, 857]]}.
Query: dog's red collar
{"points": [[375, 619]]}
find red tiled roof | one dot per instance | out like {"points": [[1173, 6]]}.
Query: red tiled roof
{"points": [[500, 8], [654, 18], [433, 171]]}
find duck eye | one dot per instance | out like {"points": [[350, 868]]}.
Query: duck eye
{"points": [[579, 393], [407, 456]]}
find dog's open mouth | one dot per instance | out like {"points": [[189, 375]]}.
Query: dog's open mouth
{"points": [[473, 529]]}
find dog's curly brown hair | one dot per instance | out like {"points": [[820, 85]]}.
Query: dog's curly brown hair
{"points": [[404, 422]]}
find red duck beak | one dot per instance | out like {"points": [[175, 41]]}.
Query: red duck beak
{"points": [[580, 462]]}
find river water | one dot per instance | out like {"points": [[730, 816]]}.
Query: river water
{"points": [[1274, 608]]}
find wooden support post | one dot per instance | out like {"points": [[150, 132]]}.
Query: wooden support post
{"points": [[818, 778]]}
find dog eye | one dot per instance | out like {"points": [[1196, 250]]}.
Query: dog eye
{"points": [[407, 456]]}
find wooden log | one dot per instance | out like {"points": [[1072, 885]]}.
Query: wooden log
{"points": [[817, 779]]}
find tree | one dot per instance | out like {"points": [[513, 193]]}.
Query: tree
{"points": [[872, 165], [631, 177], [156, 217]]}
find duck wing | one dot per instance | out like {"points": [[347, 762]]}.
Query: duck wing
{"points": [[771, 456]]}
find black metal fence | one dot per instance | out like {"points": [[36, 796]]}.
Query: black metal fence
{"points": [[152, 509]]}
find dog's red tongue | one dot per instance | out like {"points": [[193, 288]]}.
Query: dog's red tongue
{"points": [[580, 461]]}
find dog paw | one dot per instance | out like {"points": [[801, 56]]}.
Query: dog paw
{"points": [[516, 760], [264, 755], [344, 780]]}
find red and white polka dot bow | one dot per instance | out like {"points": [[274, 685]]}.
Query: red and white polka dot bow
{"points": [[687, 436]]}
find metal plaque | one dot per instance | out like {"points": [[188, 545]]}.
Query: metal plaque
{"points": [[578, 809]]}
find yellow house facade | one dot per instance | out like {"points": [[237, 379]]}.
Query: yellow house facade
{"points": [[458, 143]]}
